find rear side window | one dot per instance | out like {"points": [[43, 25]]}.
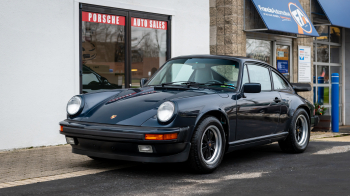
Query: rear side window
{"points": [[259, 74], [278, 82]]}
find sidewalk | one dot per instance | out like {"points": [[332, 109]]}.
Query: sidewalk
{"points": [[26, 166], [46, 161]]}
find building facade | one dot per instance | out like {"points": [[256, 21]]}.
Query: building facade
{"points": [[238, 28], [53, 50]]}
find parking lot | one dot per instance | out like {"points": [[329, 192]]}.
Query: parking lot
{"points": [[323, 169]]}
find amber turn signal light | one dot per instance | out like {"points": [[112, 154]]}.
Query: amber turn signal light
{"points": [[61, 129], [169, 136]]}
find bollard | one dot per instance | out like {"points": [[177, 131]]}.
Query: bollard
{"points": [[320, 90], [335, 102]]}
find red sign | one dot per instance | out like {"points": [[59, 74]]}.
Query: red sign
{"points": [[146, 23], [103, 18]]}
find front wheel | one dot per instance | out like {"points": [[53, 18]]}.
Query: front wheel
{"points": [[208, 146], [299, 133]]}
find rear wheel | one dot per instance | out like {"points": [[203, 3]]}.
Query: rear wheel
{"points": [[299, 133], [208, 146]]}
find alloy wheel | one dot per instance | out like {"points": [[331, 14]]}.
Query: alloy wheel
{"points": [[211, 144]]}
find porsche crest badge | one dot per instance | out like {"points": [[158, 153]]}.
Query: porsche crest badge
{"points": [[113, 116]]}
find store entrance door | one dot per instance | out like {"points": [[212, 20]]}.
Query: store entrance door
{"points": [[283, 60]]}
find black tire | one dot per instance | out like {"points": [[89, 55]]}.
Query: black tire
{"points": [[291, 143], [196, 158]]}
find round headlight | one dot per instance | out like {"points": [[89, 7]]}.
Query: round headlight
{"points": [[165, 111], [74, 105]]}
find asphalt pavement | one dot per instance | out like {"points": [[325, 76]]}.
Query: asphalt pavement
{"points": [[323, 169]]}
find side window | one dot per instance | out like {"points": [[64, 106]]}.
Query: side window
{"points": [[245, 78], [278, 82], [259, 74]]}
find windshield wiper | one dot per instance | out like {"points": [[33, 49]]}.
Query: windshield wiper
{"points": [[173, 83]]}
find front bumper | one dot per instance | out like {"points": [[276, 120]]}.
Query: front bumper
{"points": [[121, 142]]}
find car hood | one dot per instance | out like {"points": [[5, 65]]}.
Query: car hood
{"points": [[134, 106]]}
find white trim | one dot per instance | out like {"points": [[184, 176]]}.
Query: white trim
{"points": [[129, 6], [343, 76], [76, 48]]}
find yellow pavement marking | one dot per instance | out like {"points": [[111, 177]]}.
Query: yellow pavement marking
{"points": [[61, 176]]}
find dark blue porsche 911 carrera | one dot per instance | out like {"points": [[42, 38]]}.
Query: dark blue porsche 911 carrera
{"points": [[195, 109]]}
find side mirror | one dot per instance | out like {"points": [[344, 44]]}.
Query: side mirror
{"points": [[143, 81], [252, 88], [104, 80]]}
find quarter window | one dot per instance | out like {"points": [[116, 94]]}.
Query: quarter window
{"points": [[259, 74], [245, 75], [278, 82]]}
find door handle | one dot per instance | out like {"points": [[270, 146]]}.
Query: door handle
{"points": [[277, 100]]}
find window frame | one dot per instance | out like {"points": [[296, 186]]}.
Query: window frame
{"points": [[127, 29]]}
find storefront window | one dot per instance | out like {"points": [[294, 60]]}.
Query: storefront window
{"points": [[335, 53], [323, 95], [148, 48], [103, 57], [323, 32], [335, 34], [322, 53], [327, 60], [323, 74], [259, 49], [282, 60]]}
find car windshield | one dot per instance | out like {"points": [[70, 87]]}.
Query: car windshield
{"points": [[200, 71]]}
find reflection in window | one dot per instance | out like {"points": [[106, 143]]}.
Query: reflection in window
{"points": [[245, 75], [278, 82], [323, 32], [322, 53], [148, 51], [259, 49], [102, 56], [322, 74], [335, 54], [335, 34], [258, 74], [323, 95]]}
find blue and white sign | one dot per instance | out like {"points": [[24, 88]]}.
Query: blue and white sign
{"points": [[304, 64], [282, 66], [286, 16]]}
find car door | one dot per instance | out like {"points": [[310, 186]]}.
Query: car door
{"points": [[285, 90], [257, 113]]}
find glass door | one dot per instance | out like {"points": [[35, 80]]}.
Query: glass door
{"points": [[283, 63], [148, 48]]}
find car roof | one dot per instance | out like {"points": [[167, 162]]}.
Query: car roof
{"points": [[237, 58]]}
